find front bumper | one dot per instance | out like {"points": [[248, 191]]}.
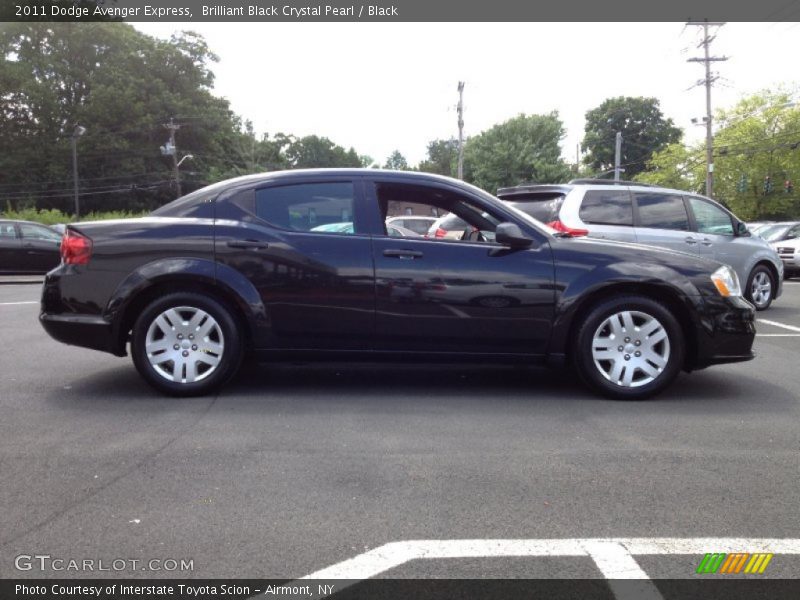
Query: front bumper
{"points": [[727, 331]]}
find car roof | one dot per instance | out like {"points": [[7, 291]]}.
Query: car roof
{"points": [[526, 188]]}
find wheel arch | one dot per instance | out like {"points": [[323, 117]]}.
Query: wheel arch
{"points": [[676, 302], [151, 281]]}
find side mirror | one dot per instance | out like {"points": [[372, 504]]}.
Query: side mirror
{"points": [[741, 229], [509, 234]]}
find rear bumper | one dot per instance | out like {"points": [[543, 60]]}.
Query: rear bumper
{"points": [[80, 330], [727, 332]]}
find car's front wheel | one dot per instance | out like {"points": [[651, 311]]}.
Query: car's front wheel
{"points": [[760, 287], [630, 347], [186, 344]]}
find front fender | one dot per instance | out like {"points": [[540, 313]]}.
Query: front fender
{"points": [[623, 277]]}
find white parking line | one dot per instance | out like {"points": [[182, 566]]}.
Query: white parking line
{"points": [[781, 325], [17, 303], [778, 335], [613, 556]]}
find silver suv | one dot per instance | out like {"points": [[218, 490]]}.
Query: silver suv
{"points": [[651, 215]]}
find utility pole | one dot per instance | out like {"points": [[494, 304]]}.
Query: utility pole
{"points": [[707, 59], [460, 109], [76, 133], [172, 150], [617, 155]]}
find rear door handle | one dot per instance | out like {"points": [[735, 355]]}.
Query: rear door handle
{"points": [[248, 244], [406, 254], [690, 240]]}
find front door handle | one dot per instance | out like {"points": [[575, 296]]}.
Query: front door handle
{"points": [[690, 240], [248, 244], [406, 254], [706, 242]]}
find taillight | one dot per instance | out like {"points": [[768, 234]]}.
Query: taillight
{"points": [[76, 248], [440, 233], [559, 226]]}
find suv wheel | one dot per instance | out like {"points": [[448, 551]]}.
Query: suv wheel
{"points": [[629, 348], [186, 344], [760, 287]]}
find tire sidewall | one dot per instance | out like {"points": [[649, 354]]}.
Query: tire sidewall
{"points": [[748, 292], [584, 362], [231, 357]]}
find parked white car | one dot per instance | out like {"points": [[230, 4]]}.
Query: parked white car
{"points": [[789, 251]]}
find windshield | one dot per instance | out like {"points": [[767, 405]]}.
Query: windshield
{"points": [[773, 232]]}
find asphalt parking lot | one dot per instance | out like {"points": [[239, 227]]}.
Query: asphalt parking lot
{"points": [[293, 469]]}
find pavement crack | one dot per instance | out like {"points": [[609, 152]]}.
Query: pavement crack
{"points": [[96, 491]]}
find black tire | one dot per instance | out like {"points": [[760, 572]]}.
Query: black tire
{"points": [[763, 273], [224, 337], [596, 375]]}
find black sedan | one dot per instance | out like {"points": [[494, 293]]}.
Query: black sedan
{"points": [[248, 266], [27, 247]]}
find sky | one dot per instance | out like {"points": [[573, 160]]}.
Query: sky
{"points": [[380, 87]]}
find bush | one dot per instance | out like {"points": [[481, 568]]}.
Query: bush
{"points": [[54, 216]]}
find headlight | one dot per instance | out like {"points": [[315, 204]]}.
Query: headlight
{"points": [[726, 281]]}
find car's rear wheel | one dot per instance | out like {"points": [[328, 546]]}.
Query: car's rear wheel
{"points": [[629, 348], [761, 287], [186, 344]]}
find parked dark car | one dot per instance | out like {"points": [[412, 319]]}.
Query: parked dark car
{"points": [[28, 248], [237, 268]]}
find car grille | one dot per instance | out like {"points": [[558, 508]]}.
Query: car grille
{"points": [[786, 252]]}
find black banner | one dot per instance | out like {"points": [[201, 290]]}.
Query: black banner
{"points": [[700, 588], [393, 10]]}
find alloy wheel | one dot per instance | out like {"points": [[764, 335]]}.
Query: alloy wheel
{"points": [[761, 289]]}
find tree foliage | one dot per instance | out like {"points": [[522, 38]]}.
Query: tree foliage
{"points": [[644, 132], [758, 138], [442, 158], [396, 161], [522, 149]]}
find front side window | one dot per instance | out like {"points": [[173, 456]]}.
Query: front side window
{"points": [[662, 211], [607, 207], [34, 232], [311, 207], [710, 218], [461, 220]]}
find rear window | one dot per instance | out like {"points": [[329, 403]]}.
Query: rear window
{"points": [[607, 207], [313, 207], [542, 207]]}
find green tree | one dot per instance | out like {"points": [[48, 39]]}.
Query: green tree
{"points": [[442, 158], [396, 161], [644, 132], [523, 149], [756, 139], [122, 86], [319, 152]]}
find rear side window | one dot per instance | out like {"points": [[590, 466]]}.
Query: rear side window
{"points": [[542, 207], [313, 207], [35, 232], [607, 207], [7, 230], [710, 218], [662, 211]]}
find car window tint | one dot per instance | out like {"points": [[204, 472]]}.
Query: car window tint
{"points": [[542, 207], [662, 211], [710, 218], [34, 232], [7, 230], [313, 207], [607, 207]]}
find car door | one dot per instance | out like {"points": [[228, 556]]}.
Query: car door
{"points": [[662, 220], [715, 232], [457, 296], [301, 245], [11, 255], [40, 247], [608, 214]]}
